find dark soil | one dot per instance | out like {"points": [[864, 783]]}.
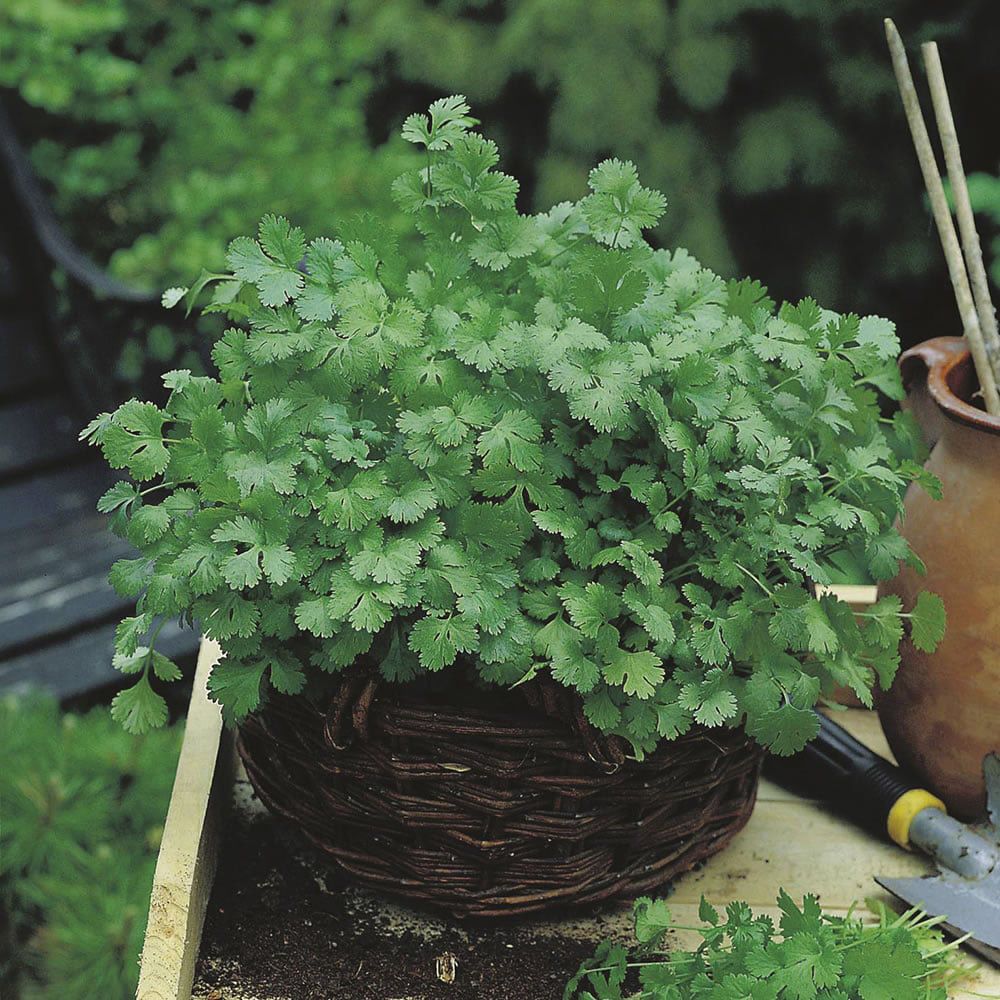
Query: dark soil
{"points": [[281, 924]]}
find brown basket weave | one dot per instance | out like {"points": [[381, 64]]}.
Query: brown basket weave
{"points": [[495, 808]]}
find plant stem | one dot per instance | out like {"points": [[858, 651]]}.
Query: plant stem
{"points": [[770, 593]]}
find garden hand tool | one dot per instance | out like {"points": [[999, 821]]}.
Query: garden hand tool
{"points": [[966, 890]]}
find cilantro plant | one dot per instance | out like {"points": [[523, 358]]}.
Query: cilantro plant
{"points": [[816, 957], [535, 446]]}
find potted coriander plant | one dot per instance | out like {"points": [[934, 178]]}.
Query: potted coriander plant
{"points": [[512, 543]]}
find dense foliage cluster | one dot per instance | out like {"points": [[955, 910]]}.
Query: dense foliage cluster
{"points": [[547, 448], [817, 956], [168, 129], [83, 809], [163, 131]]}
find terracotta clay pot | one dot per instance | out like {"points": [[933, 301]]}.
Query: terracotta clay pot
{"points": [[942, 713]]}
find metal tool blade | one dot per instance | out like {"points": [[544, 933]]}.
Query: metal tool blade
{"points": [[971, 905]]}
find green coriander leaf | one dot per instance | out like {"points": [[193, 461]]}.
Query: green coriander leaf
{"points": [[130, 577], [229, 616], [810, 965], [129, 633], [396, 562], [280, 241], [601, 711], [823, 639], [707, 913], [620, 207], [134, 440], [652, 920], [370, 613], [448, 121], [784, 730], [275, 275], [414, 499], [636, 673], [883, 622], [313, 615], [121, 496], [163, 668], [171, 296], [927, 622], [887, 968], [284, 672], [880, 334], [237, 686], [438, 640], [139, 708], [795, 920], [672, 719]]}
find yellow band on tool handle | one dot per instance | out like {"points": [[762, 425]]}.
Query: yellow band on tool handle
{"points": [[905, 808]]}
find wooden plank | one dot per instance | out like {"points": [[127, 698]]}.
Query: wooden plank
{"points": [[38, 433], [858, 595], [71, 593], [66, 549], [73, 665], [186, 864], [59, 495]]}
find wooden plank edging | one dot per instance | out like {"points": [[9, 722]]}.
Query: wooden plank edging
{"points": [[185, 866]]}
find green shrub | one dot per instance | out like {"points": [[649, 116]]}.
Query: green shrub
{"points": [[170, 127], [83, 810], [544, 448], [772, 125]]}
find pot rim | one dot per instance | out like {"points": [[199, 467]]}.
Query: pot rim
{"points": [[945, 362]]}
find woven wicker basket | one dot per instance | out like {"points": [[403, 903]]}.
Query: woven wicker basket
{"points": [[494, 807]]}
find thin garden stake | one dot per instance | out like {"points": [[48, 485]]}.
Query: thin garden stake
{"points": [[971, 246], [942, 216]]}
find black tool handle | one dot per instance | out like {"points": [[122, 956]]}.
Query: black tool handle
{"points": [[836, 766]]}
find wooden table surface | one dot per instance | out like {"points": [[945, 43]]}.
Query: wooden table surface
{"points": [[789, 843]]}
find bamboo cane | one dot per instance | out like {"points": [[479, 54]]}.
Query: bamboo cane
{"points": [[942, 217], [971, 247]]}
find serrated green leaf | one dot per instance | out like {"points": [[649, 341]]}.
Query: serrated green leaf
{"points": [[927, 622], [133, 439], [601, 711], [437, 641], [652, 919], [237, 686], [636, 673], [139, 708], [130, 577], [284, 671], [129, 633]]}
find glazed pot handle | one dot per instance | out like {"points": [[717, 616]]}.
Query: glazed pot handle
{"points": [[917, 362], [916, 365]]}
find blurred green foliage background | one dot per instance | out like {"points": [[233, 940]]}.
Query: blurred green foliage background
{"points": [[772, 126], [83, 810]]}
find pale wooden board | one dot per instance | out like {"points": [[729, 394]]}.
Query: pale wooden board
{"points": [[185, 866]]}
